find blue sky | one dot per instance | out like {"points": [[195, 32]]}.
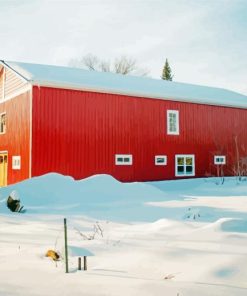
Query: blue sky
{"points": [[205, 41]]}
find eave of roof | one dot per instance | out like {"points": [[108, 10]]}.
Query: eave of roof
{"points": [[136, 94], [78, 79]]}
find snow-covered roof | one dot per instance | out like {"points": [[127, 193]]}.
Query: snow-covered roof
{"points": [[74, 78]]}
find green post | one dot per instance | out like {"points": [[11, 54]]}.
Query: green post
{"points": [[66, 246]]}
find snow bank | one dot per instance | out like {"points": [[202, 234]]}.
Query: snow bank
{"points": [[196, 257], [234, 225], [103, 197], [74, 251], [54, 193]]}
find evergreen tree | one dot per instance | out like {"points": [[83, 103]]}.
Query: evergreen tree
{"points": [[167, 72]]}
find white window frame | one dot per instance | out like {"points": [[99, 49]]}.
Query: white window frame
{"points": [[176, 113], [160, 163], [4, 132], [16, 162], [219, 162], [176, 165], [129, 162]]}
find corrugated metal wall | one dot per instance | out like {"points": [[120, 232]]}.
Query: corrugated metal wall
{"points": [[16, 140], [78, 133]]}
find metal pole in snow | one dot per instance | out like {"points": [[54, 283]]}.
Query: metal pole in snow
{"points": [[66, 246], [79, 263], [85, 262]]}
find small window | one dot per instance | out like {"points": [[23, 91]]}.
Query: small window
{"points": [[16, 162], [172, 122], [123, 159], [185, 165], [160, 160], [2, 123], [219, 159]]}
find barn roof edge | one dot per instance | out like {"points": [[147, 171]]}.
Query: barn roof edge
{"points": [[74, 78]]}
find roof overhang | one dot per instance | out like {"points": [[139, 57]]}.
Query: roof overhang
{"points": [[124, 87], [3, 64], [131, 94]]}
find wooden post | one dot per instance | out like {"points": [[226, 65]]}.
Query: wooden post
{"points": [[66, 246], [85, 262], [79, 263]]}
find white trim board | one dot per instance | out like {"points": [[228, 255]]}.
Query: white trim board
{"points": [[5, 65], [21, 91], [31, 131]]}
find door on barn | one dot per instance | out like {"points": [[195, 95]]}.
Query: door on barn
{"points": [[3, 169]]}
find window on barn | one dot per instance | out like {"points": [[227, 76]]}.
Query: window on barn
{"points": [[123, 159], [3, 123], [160, 160], [16, 162], [219, 159], [185, 165], [172, 122]]}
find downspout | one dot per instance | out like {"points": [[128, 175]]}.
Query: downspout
{"points": [[31, 130]]}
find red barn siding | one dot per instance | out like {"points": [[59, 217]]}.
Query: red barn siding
{"points": [[16, 140], [78, 133]]}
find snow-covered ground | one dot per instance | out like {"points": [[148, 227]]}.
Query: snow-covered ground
{"points": [[183, 238]]}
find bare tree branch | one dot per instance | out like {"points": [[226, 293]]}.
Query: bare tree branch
{"points": [[91, 62], [123, 65], [105, 66]]}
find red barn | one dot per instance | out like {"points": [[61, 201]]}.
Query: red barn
{"points": [[79, 123]]}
